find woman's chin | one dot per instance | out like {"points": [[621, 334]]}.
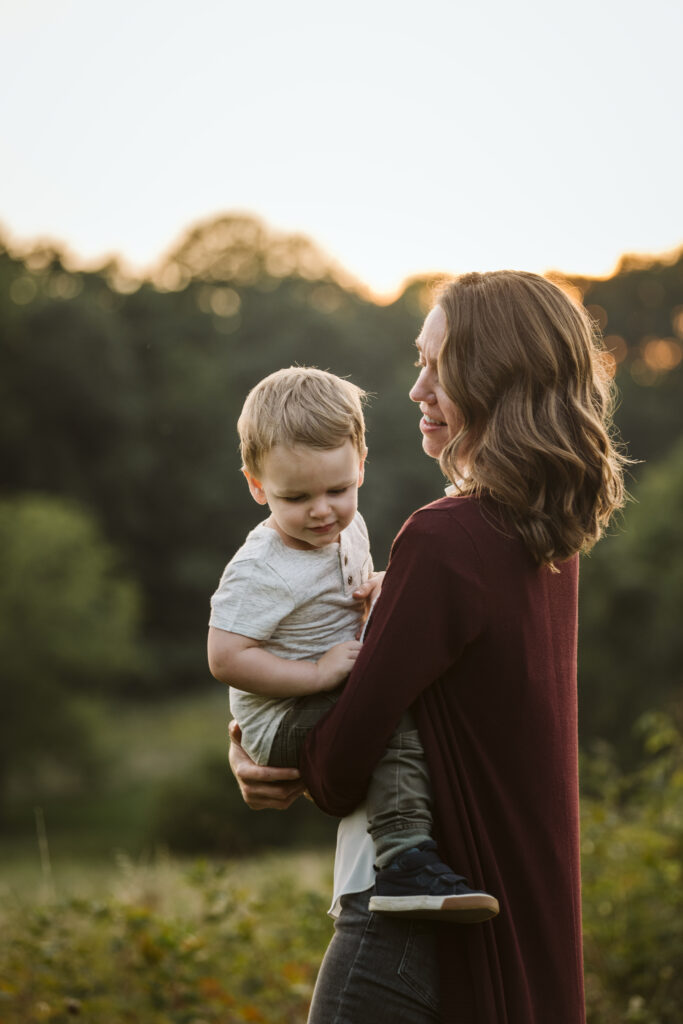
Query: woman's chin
{"points": [[431, 446]]}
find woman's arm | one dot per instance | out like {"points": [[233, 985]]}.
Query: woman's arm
{"points": [[262, 787], [430, 608]]}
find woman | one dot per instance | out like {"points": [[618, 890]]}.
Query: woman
{"points": [[475, 632]]}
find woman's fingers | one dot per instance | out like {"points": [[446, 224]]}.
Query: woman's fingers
{"points": [[368, 593], [275, 796], [262, 787], [244, 768]]}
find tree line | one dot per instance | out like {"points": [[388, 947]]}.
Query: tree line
{"points": [[122, 497]]}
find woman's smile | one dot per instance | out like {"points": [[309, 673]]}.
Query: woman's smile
{"points": [[427, 422]]}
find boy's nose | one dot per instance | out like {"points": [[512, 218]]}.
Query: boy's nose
{"points": [[320, 508]]}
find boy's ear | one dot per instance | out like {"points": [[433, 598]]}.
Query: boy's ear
{"points": [[255, 488], [361, 468]]}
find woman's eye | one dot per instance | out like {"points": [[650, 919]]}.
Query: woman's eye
{"points": [[433, 371]]}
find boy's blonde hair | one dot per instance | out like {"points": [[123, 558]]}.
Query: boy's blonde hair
{"points": [[300, 405], [525, 365]]}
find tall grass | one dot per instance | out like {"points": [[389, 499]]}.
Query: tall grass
{"points": [[165, 942]]}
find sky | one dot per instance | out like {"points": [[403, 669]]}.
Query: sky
{"points": [[403, 137]]}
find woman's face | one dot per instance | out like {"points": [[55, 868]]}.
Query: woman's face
{"points": [[441, 417]]}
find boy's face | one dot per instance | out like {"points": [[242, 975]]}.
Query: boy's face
{"points": [[312, 493]]}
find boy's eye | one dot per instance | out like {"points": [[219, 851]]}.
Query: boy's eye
{"points": [[294, 497], [338, 490]]}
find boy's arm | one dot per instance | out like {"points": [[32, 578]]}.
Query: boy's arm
{"points": [[241, 662]]}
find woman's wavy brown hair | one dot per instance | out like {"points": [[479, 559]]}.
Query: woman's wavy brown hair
{"points": [[525, 365]]}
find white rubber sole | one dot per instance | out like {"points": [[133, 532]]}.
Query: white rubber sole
{"points": [[469, 909]]}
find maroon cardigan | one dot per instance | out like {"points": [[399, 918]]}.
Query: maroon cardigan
{"points": [[481, 645]]}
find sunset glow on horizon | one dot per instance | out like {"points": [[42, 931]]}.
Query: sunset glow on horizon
{"points": [[401, 146]]}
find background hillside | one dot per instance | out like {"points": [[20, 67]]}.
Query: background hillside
{"points": [[122, 497], [121, 500]]}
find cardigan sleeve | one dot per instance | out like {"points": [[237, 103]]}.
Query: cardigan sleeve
{"points": [[430, 608]]}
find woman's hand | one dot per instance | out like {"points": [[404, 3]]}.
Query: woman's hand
{"points": [[368, 593], [262, 787]]}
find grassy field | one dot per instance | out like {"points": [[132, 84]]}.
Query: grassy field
{"points": [[163, 942], [98, 924], [167, 941]]}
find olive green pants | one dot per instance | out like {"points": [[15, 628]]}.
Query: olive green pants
{"points": [[399, 796]]}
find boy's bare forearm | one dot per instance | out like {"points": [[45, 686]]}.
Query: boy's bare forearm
{"points": [[257, 671]]}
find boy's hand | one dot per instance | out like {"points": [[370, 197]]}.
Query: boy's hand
{"points": [[368, 593], [335, 664]]}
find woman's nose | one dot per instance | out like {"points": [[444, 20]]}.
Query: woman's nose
{"points": [[420, 391]]}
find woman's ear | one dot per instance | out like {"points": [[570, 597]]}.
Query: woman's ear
{"points": [[255, 488]]}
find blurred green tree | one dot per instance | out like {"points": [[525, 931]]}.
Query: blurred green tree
{"points": [[631, 642], [204, 813], [124, 396], [67, 629], [639, 310]]}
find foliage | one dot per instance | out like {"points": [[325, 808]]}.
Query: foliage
{"points": [[67, 626], [127, 401], [224, 943], [631, 644], [140, 746], [640, 311], [632, 833], [194, 945], [122, 396], [241, 249], [203, 812], [122, 500], [125, 396]]}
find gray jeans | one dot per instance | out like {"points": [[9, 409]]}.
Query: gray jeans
{"points": [[399, 797], [377, 969]]}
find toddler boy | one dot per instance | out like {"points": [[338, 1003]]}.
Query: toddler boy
{"points": [[284, 622]]}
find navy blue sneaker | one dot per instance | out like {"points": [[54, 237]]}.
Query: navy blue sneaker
{"points": [[418, 884]]}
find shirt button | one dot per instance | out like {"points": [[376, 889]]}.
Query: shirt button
{"points": [[349, 579]]}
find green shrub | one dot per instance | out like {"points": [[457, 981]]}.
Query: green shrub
{"points": [[204, 813], [226, 943], [225, 951], [631, 642], [68, 629], [632, 840]]}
